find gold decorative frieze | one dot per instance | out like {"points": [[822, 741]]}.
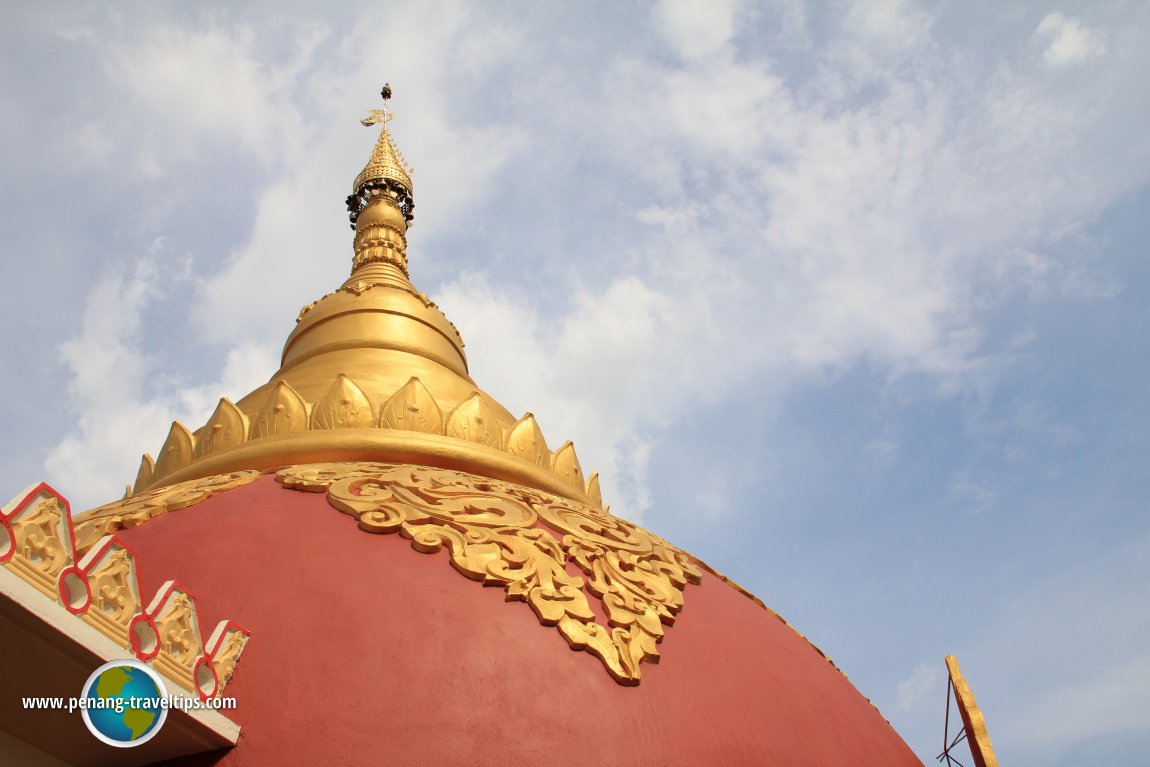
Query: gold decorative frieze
{"points": [[132, 511], [40, 546], [224, 648], [522, 539], [180, 647], [345, 405], [357, 287], [102, 589], [110, 571]]}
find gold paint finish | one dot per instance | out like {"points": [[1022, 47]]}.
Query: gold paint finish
{"points": [[372, 371], [176, 452], [412, 408], [593, 491], [226, 649], [345, 406], [114, 584], [363, 444], [146, 472], [505, 534], [527, 442], [567, 466], [41, 537], [227, 428], [284, 412], [474, 421], [387, 163], [980, 749], [380, 238], [178, 630]]}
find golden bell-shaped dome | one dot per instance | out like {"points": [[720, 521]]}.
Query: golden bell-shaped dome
{"points": [[373, 371]]}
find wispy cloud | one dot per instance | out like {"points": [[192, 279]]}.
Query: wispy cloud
{"points": [[926, 680], [1067, 40]]}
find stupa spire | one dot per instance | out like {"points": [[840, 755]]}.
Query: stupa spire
{"points": [[387, 173], [380, 206]]}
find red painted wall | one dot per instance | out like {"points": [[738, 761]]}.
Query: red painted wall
{"points": [[366, 652]]}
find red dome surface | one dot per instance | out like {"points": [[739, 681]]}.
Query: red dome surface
{"points": [[366, 652]]}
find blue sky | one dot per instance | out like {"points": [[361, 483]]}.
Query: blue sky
{"points": [[848, 299]]}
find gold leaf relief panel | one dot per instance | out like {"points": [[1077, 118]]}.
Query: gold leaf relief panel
{"points": [[508, 535], [412, 408], [283, 412], [344, 406], [137, 509], [473, 420]]}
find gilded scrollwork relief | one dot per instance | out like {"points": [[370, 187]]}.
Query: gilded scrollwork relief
{"points": [[130, 512], [522, 539]]}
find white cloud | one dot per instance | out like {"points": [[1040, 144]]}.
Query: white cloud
{"points": [[1108, 704], [197, 83], [886, 23], [921, 686], [1067, 40], [122, 401], [616, 364], [978, 495], [696, 28]]}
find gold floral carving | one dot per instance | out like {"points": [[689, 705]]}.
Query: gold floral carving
{"points": [[504, 534], [110, 570], [130, 512], [227, 428], [283, 412], [567, 466], [178, 632], [526, 441], [345, 406], [473, 420], [40, 535], [177, 450], [593, 491], [146, 473], [111, 588], [225, 647], [412, 408]]}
